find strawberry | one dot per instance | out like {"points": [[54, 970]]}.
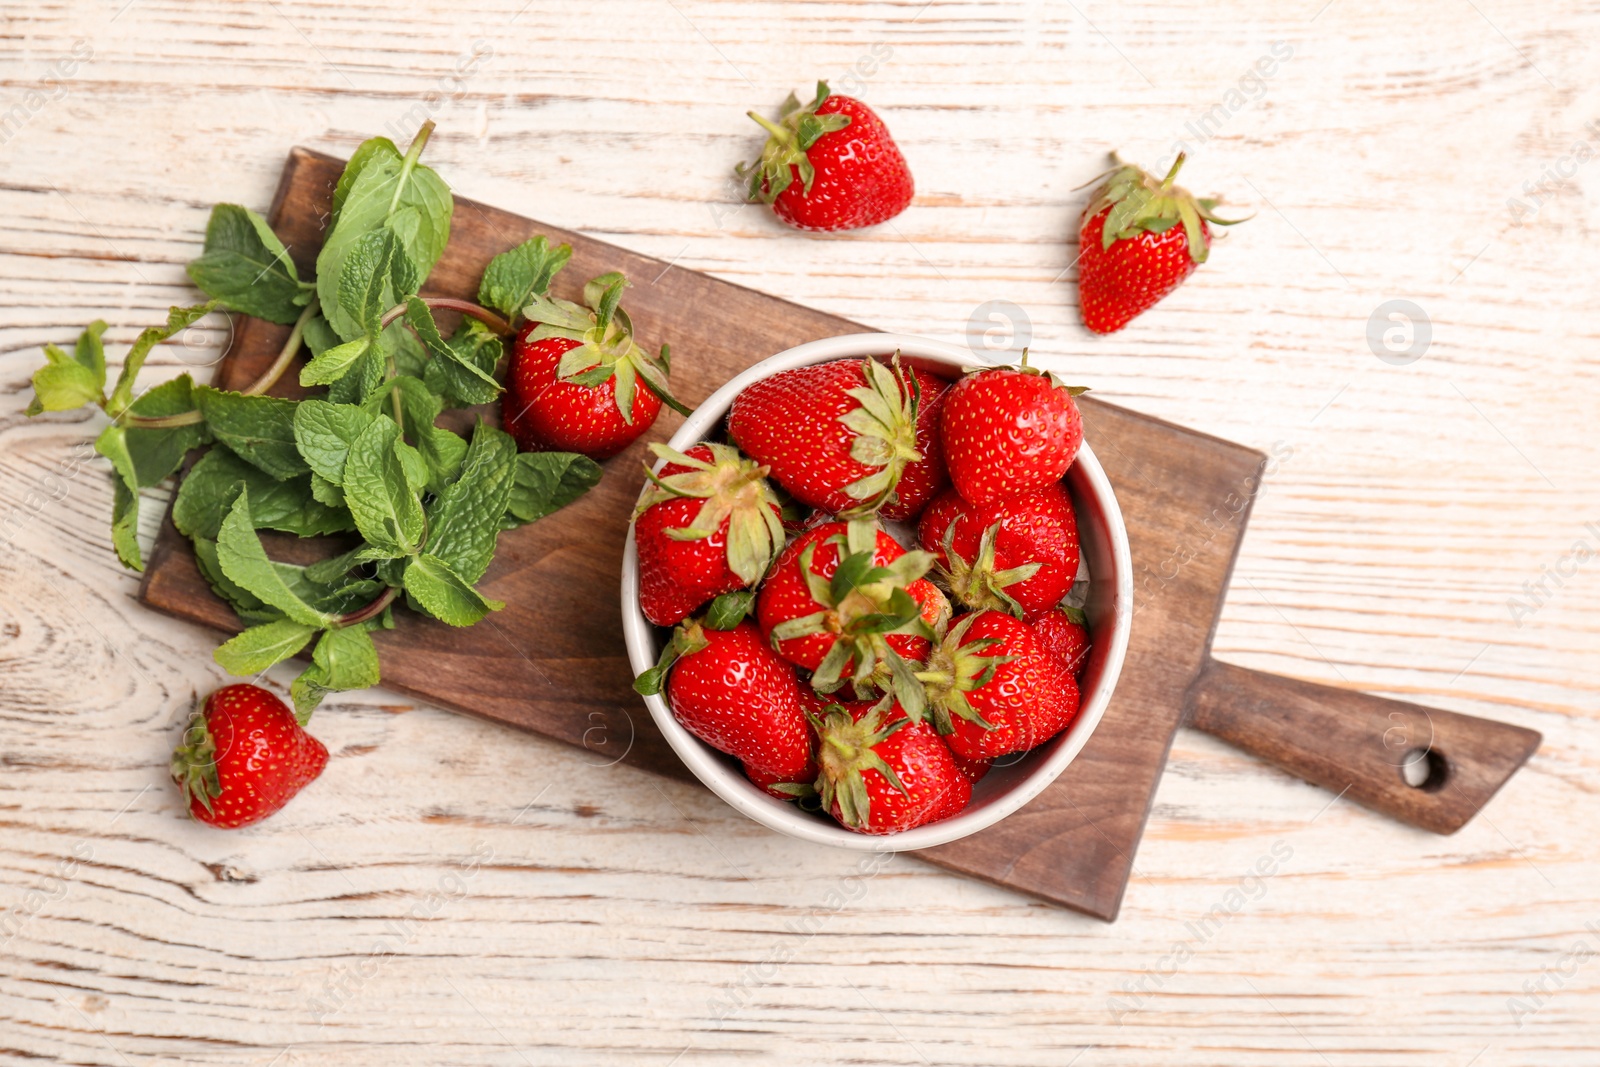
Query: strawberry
{"points": [[1007, 430], [922, 479], [795, 787], [578, 382], [1138, 240], [729, 689], [974, 769], [850, 172], [244, 756], [993, 689], [883, 771], [1064, 633], [707, 524], [1017, 554], [838, 436], [848, 603]]}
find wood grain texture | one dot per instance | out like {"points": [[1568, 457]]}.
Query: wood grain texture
{"points": [[1429, 767], [624, 918]]}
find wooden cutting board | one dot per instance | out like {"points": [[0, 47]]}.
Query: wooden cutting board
{"points": [[553, 661]]}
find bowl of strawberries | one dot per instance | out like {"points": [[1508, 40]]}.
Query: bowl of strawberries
{"points": [[875, 597]]}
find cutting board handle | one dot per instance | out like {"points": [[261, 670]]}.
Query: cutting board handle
{"points": [[1367, 747]]}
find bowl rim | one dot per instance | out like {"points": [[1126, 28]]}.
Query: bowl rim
{"points": [[707, 765]]}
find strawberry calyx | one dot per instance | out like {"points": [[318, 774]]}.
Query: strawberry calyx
{"points": [[735, 490], [1141, 203], [606, 348], [955, 669], [862, 605], [885, 425], [797, 128], [688, 637], [846, 748], [1022, 367], [976, 582], [194, 763], [1074, 615], [726, 612]]}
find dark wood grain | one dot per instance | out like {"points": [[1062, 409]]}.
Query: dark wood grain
{"points": [[553, 661], [1356, 744]]}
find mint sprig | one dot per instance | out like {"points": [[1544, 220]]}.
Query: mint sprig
{"points": [[420, 506]]}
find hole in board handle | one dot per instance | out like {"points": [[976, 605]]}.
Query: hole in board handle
{"points": [[1424, 769]]}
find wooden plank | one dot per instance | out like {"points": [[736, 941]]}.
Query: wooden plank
{"points": [[553, 660]]}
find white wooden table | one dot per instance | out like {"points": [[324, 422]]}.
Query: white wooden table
{"points": [[451, 892]]}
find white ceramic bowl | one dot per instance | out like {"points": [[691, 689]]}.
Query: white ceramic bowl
{"points": [[1004, 789]]}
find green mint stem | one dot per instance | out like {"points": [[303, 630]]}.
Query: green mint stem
{"points": [[291, 348], [410, 162]]}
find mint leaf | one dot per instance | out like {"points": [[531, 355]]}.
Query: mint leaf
{"points": [[382, 189], [441, 449], [375, 276], [513, 277], [245, 604], [385, 508], [444, 594], [259, 429], [465, 376], [324, 432], [368, 150], [244, 561], [363, 377], [125, 525], [113, 444], [72, 380], [325, 492], [253, 651], [344, 658], [460, 379], [547, 482], [318, 336], [213, 483], [90, 352], [340, 597], [401, 345], [465, 521], [158, 451], [334, 363], [246, 268], [178, 318]]}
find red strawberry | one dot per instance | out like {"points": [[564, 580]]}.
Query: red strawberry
{"points": [[1008, 430], [882, 771], [578, 382], [838, 436], [706, 525], [974, 769], [922, 479], [729, 689], [955, 801], [796, 787], [1018, 554], [244, 756], [1138, 240], [993, 689], [847, 602], [1065, 635], [829, 165]]}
